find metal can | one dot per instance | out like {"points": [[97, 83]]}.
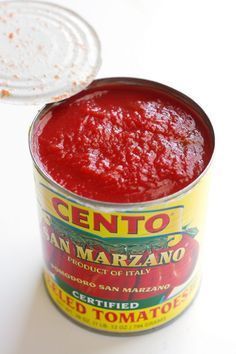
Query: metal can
{"points": [[122, 268]]}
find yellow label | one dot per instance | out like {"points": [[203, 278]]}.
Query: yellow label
{"points": [[126, 224], [122, 270], [124, 321]]}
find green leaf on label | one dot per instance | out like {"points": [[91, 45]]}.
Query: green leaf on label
{"points": [[191, 231]]}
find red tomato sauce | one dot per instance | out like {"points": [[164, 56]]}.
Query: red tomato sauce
{"points": [[122, 143]]}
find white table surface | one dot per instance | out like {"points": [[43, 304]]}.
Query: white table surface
{"points": [[189, 45]]}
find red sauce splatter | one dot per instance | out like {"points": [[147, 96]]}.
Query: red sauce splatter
{"points": [[10, 35], [122, 143], [4, 93]]}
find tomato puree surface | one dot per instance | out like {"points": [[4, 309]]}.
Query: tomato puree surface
{"points": [[122, 143]]}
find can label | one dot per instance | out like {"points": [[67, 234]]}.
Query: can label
{"points": [[121, 271]]}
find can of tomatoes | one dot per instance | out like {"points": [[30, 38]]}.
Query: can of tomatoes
{"points": [[121, 172]]}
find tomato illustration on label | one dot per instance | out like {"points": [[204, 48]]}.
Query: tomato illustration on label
{"points": [[179, 272], [124, 271]]}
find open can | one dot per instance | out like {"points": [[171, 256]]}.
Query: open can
{"points": [[113, 267], [122, 268]]}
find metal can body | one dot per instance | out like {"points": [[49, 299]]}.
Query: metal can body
{"points": [[121, 268]]}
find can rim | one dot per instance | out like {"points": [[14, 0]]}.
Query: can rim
{"points": [[126, 206]]}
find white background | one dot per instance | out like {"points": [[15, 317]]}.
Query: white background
{"points": [[189, 45]]}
